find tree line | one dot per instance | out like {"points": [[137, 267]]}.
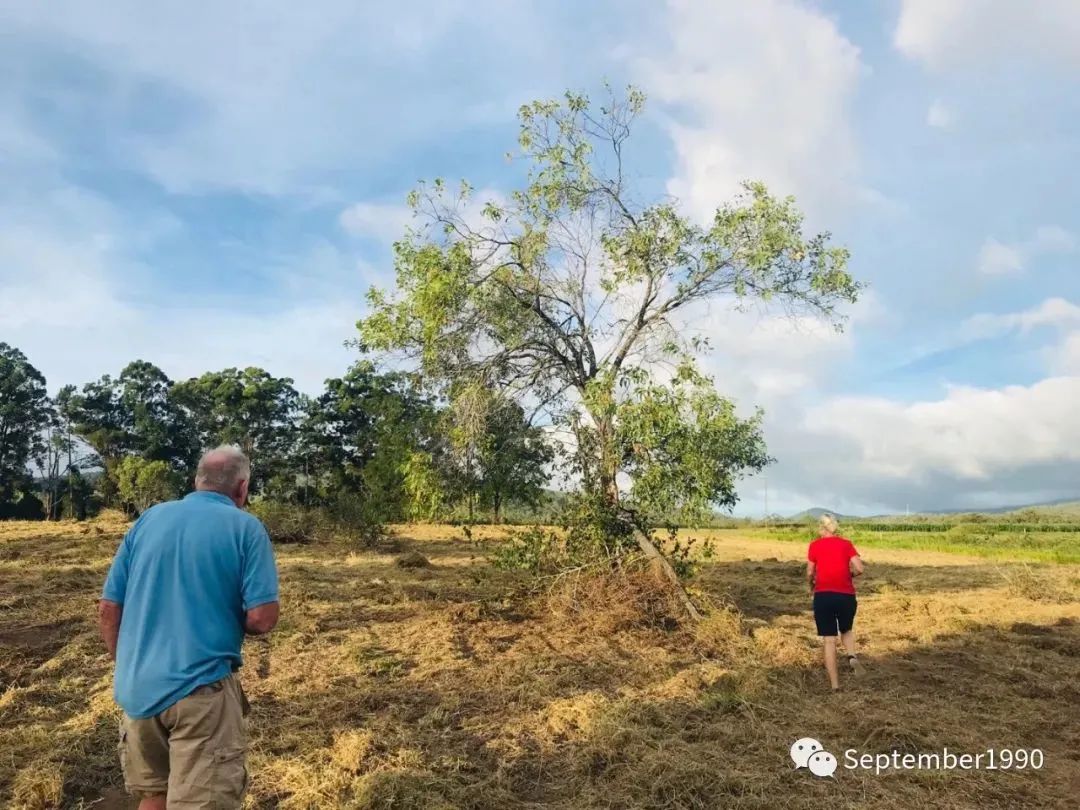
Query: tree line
{"points": [[370, 439]]}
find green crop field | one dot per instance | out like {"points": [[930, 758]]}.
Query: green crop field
{"points": [[1056, 543]]}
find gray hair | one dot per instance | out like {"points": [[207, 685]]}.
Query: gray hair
{"points": [[222, 469]]}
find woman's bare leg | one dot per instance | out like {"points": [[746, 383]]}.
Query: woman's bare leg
{"points": [[830, 661], [848, 640]]}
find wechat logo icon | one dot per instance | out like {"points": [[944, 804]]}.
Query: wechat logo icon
{"points": [[809, 753]]}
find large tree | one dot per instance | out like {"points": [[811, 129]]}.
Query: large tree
{"points": [[24, 415], [134, 414], [498, 454], [360, 432], [250, 408], [578, 299]]}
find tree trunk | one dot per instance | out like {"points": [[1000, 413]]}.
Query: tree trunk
{"points": [[653, 553], [609, 487]]}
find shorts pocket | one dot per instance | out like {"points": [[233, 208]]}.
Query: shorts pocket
{"points": [[229, 778]]}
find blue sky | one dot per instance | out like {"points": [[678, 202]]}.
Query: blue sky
{"points": [[204, 185]]}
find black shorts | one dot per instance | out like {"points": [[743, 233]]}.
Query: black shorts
{"points": [[834, 612]]}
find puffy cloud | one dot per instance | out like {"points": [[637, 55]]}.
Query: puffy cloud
{"points": [[1004, 259], [998, 259], [273, 97], [757, 91], [1056, 312], [944, 34], [971, 446], [76, 298]]}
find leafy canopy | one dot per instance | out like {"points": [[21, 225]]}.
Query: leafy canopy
{"points": [[573, 297]]}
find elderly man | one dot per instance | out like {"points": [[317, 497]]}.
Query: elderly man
{"points": [[190, 578]]}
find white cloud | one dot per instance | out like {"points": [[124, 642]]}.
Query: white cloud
{"points": [[944, 34], [385, 222], [276, 97], [998, 259], [1067, 358], [974, 446], [940, 116], [1004, 259], [757, 91], [78, 302], [1018, 439], [1055, 312]]}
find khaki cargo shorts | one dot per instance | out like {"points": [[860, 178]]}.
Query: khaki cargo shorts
{"points": [[194, 751]]}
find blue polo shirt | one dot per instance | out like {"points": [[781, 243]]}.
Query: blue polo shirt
{"points": [[186, 573]]}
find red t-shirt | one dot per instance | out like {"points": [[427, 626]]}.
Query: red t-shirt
{"points": [[831, 554]]}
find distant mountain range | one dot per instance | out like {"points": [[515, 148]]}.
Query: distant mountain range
{"points": [[1066, 504]]}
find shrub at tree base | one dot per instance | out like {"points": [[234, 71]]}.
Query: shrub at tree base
{"points": [[289, 523], [634, 596], [412, 559]]}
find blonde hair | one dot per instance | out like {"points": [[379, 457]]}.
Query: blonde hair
{"points": [[828, 525]]}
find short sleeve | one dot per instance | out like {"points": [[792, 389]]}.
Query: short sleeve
{"points": [[851, 550], [811, 553], [260, 580], [116, 581]]}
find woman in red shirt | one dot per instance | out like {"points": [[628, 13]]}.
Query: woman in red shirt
{"points": [[831, 563]]}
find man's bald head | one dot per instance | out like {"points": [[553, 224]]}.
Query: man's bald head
{"points": [[225, 470]]}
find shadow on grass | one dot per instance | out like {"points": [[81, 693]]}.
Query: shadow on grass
{"points": [[447, 687], [766, 589]]}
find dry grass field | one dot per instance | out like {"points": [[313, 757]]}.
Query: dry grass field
{"points": [[456, 685]]}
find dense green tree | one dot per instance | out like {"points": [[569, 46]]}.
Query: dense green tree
{"points": [[159, 429], [249, 408], [497, 454], [24, 414], [134, 414], [360, 432], [571, 294], [143, 482], [97, 417]]}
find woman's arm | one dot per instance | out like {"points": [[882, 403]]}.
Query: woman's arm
{"points": [[811, 572], [856, 566]]}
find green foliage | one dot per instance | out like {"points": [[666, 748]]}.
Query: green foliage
{"points": [[249, 408], [684, 447], [134, 415], [593, 532], [346, 522], [534, 549], [26, 506], [423, 485], [495, 453], [141, 483], [686, 554], [356, 438], [570, 294], [24, 414]]}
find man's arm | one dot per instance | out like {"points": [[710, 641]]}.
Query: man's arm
{"points": [[109, 614], [261, 619], [259, 583]]}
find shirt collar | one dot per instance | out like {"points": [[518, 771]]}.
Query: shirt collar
{"points": [[207, 495]]}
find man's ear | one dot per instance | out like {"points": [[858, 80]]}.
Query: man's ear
{"points": [[241, 496]]}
